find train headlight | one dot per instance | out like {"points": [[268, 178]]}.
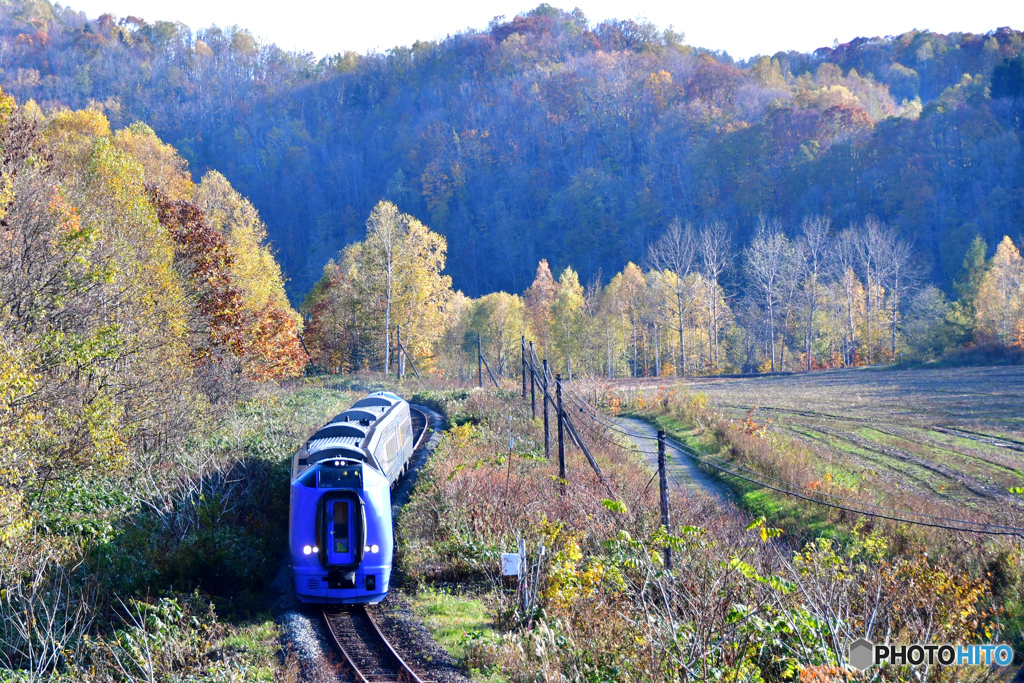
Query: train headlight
{"points": [[374, 548], [366, 549], [315, 549], [306, 550]]}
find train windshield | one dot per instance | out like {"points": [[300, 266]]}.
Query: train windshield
{"points": [[342, 537], [336, 475]]}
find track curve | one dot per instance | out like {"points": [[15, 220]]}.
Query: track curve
{"points": [[419, 426]]}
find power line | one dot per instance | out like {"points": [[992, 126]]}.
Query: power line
{"points": [[803, 493]]}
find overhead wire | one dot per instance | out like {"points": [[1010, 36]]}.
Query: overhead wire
{"points": [[801, 492], [570, 425]]}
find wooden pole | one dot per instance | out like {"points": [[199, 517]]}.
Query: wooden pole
{"points": [[533, 384], [400, 359], [561, 432], [547, 431], [479, 364], [663, 482], [522, 347], [405, 353]]}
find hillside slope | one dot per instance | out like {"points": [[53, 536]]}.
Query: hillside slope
{"points": [[549, 137]]}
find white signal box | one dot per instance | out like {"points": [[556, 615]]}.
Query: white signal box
{"points": [[510, 564]]}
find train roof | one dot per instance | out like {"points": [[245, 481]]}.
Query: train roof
{"points": [[345, 435], [344, 446], [378, 398], [336, 429], [370, 414], [352, 442]]}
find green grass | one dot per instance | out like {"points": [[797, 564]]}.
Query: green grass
{"points": [[249, 652], [457, 622]]}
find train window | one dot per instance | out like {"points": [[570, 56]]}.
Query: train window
{"points": [[341, 527], [308, 478], [340, 477]]}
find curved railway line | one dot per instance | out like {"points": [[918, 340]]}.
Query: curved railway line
{"points": [[419, 426], [355, 635]]}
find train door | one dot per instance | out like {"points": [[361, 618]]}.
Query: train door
{"points": [[341, 532]]}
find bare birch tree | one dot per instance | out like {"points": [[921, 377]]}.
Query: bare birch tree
{"points": [[766, 262], [898, 270], [674, 253], [715, 247], [844, 257], [814, 235], [384, 231]]}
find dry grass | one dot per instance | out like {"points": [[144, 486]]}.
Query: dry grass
{"points": [[737, 606], [949, 438]]}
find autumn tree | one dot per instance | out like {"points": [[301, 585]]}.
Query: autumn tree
{"points": [[1000, 303], [499, 319], [768, 264], [628, 298], [568, 318], [539, 298], [844, 258], [812, 245], [385, 229], [394, 277]]}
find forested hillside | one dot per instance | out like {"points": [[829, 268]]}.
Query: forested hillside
{"points": [[547, 136]]}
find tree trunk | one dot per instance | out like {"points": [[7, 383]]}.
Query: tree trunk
{"points": [[849, 308], [682, 342], [810, 322]]}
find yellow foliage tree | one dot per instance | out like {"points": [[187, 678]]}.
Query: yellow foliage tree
{"points": [[1000, 303], [539, 297], [392, 278], [254, 270], [499, 319], [567, 319]]}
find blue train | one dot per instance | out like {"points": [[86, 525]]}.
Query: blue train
{"points": [[339, 526]]}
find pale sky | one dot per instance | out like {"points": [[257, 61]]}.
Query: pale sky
{"points": [[743, 27]]}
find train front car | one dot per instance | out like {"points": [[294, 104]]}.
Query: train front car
{"points": [[340, 532]]}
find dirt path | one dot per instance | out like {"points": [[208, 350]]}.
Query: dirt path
{"points": [[682, 469]]}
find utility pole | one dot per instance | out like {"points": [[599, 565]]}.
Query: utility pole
{"points": [[547, 431], [561, 433], [479, 364], [400, 359], [533, 383], [663, 482], [522, 348]]}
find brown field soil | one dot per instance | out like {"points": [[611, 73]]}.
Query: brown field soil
{"points": [[952, 433]]}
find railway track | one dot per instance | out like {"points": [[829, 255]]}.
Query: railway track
{"points": [[419, 427], [363, 648], [354, 634]]}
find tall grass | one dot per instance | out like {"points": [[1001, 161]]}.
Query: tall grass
{"points": [[129, 577], [741, 602]]}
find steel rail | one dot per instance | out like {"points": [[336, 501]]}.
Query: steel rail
{"points": [[426, 428], [346, 659], [405, 672]]}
